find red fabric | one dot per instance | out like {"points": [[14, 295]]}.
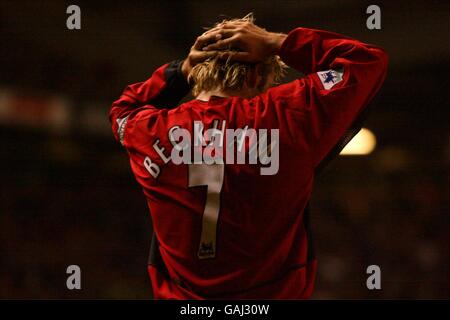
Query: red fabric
{"points": [[292, 286], [260, 231]]}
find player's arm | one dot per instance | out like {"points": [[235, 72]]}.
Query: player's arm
{"points": [[325, 104], [163, 90], [343, 76]]}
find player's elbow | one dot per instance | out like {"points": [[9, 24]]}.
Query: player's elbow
{"points": [[120, 107], [112, 114], [114, 111]]}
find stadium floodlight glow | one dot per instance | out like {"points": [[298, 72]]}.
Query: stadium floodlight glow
{"points": [[362, 144]]}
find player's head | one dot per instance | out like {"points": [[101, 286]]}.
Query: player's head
{"points": [[236, 78]]}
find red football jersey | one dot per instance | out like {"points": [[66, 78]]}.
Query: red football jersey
{"points": [[225, 230]]}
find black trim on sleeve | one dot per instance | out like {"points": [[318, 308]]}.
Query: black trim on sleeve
{"points": [[345, 139], [176, 87]]}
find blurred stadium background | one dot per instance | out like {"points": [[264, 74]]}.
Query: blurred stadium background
{"points": [[68, 196]]}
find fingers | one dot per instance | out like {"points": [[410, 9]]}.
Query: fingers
{"points": [[214, 37], [205, 39], [236, 56], [223, 44], [219, 32], [233, 24], [226, 25], [223, 26], [200, 56]]}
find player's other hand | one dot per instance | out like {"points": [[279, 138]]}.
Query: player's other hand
{"points": [[196, 54], [244, 41]]}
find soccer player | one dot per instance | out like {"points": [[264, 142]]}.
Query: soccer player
{"points": [[225, 230]]}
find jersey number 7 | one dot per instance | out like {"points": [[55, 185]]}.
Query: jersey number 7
{"points": [[212, 177]]}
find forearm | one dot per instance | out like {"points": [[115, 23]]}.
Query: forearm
{"points": [[342, 76], [275, 42], [309, 51], [164, 89]]}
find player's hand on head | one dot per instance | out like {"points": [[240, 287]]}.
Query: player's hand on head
{"points": [[196, 54], [243, 41]]}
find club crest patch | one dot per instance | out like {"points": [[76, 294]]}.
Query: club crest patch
{"points": [[330, 77]]}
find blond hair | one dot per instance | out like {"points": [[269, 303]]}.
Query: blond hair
{"points": [[225, 75]]}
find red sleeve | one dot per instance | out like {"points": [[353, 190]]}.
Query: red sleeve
{"points": [[343, 75], [163, 90]]}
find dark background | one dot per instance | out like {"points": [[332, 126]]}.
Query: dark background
{"points": [[68, 195]]}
